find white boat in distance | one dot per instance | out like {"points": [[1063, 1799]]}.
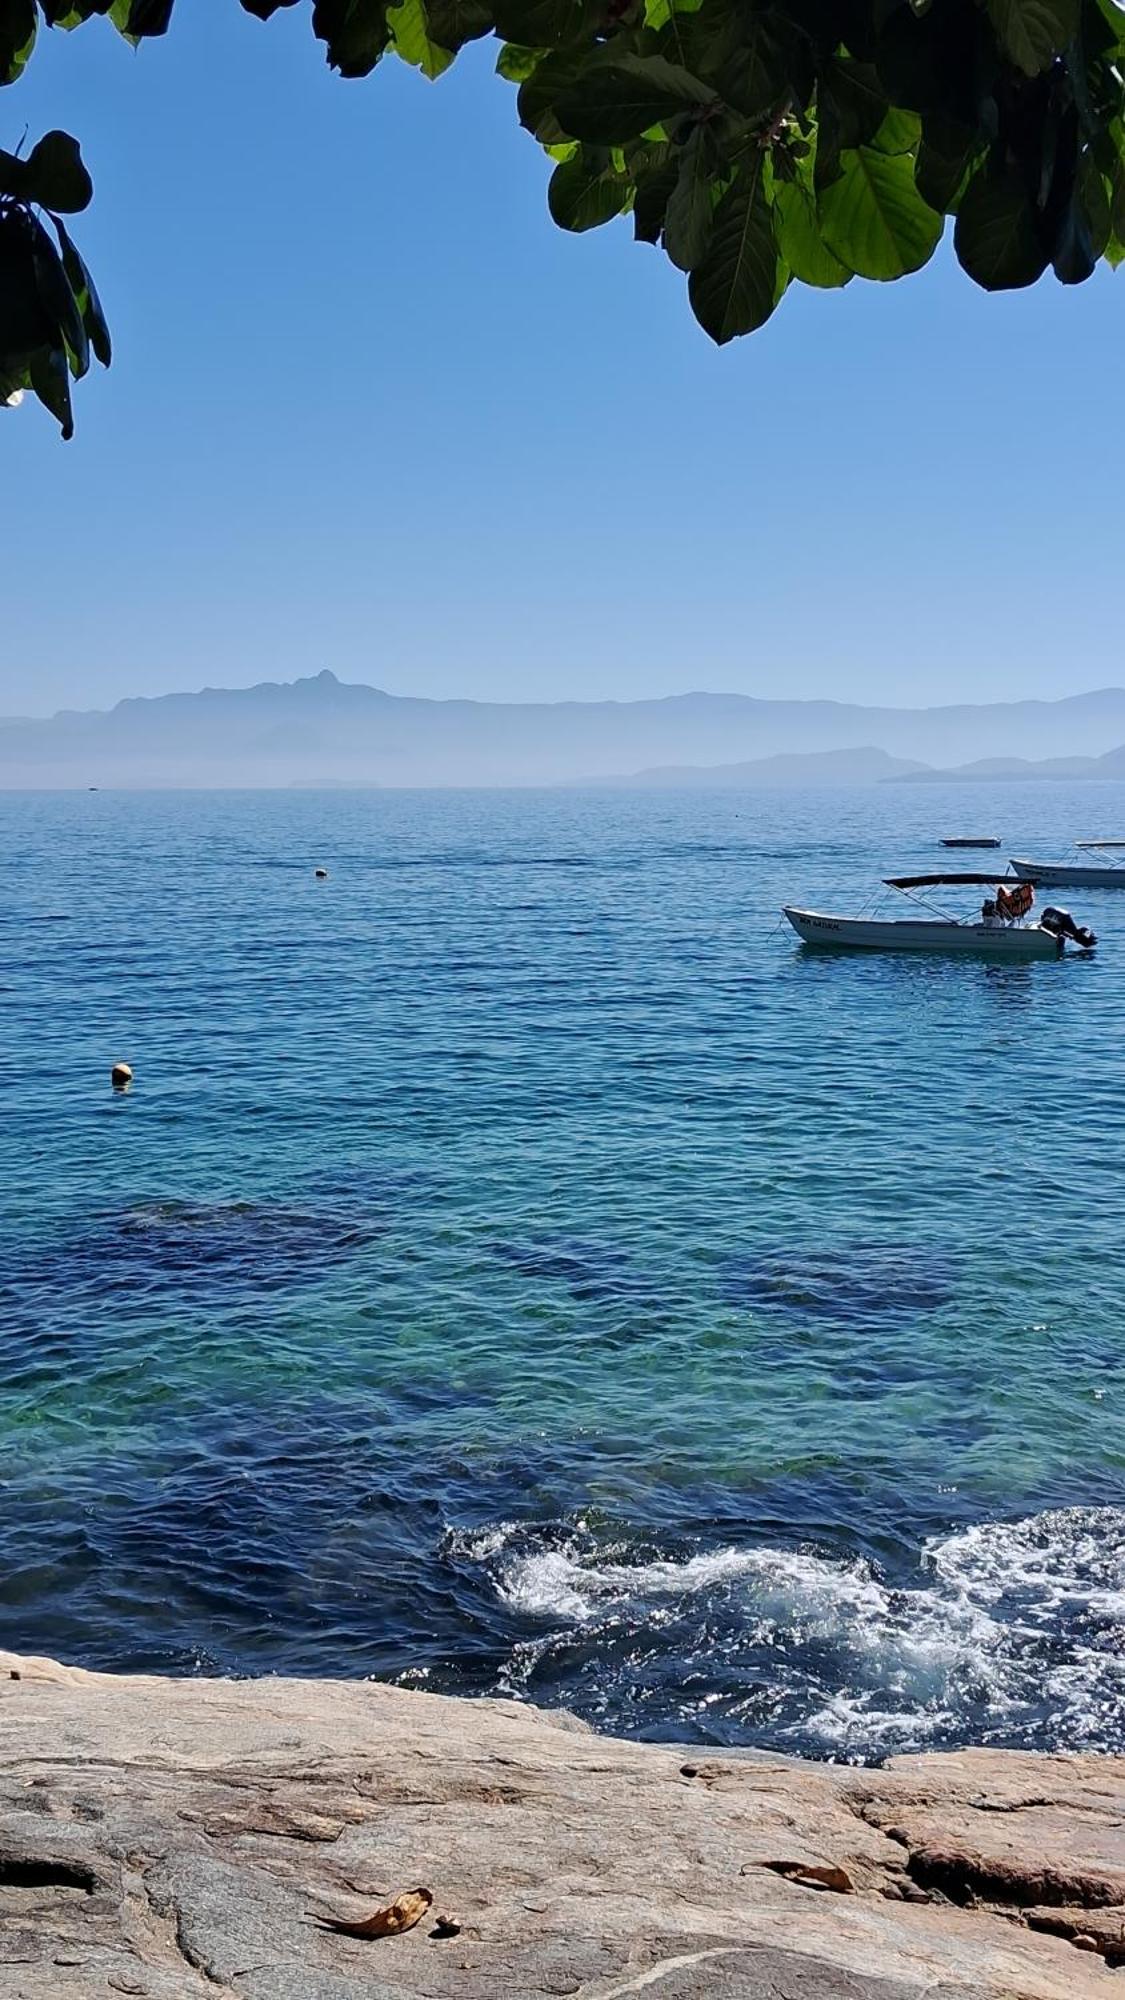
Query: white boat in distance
{"points": [[999, 931], [1077, 874]]}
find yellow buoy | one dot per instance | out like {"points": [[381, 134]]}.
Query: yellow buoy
{"points": [[121, 1076]]}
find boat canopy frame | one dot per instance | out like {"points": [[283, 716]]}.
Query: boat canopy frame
{"points": [[909, 883]]}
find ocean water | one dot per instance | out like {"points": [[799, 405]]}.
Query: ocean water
{"points": [[520, 1267]]}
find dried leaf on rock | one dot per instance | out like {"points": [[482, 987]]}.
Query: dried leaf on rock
{"points": [[401, 1915]]}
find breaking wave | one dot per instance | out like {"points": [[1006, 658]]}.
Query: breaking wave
{"points": [[1006, 1633]]}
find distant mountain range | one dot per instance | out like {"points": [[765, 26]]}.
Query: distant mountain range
{"points": [[865, 766], [993, 770], [324, 731]]}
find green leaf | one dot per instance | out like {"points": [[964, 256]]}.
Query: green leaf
{"points": [[149, 17], [455, 22], [800, 242], [658, 13], [873, 218], [858, 97], [554, 73], [56, 177], [85, 291], [408, 26], [1031, 32], [517, 63], [735, 289], [583, 193], [24, 325], [57, 298], [263, 10], [650, 202], [690, 211], [547, 24], [617, 99], [899, 132], [997, 237], [50, 379], [356, 34], [1085, 228], [942, 162], [13, 176], [18, 22]]}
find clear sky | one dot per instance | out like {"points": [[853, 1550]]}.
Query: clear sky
{"points": [[371, 410]]}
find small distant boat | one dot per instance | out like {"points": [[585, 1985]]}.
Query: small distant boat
{"points": [[1000, 931], [970, 840], [1077, 874]]}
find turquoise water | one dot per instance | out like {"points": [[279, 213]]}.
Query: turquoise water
{"points": [[519, 1266]]}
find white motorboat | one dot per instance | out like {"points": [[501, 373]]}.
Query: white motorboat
{"points": [[1000, 930], [1077, 874]]}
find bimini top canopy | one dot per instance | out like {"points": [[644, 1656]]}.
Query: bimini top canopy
{"points": [[938, 881], [1099, 843]]}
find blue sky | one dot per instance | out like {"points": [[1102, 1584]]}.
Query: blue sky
{"points": [[371, 410]]}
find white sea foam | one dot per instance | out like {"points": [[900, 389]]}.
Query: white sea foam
{"points": [[1014, 1632]]}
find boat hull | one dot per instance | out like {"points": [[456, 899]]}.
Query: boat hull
{"points": [[967, 840], [1068, 875], [1015, 941]]}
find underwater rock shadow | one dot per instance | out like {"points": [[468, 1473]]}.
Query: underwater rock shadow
{"points": [[848, 1282], [214, 1250]]}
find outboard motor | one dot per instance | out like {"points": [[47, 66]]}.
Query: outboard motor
{"points": [[1062, 925]]}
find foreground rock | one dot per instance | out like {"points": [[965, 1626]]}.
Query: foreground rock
{"points": [[181, 1838]]}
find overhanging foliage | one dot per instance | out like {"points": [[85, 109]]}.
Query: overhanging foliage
{"points": [[759, 142]]}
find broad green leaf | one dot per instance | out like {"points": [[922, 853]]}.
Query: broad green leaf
{"points": [[18, 22], [620, 97], [56, 177], [942, 162], [517, 63], [873, 218], [650, 202], [356, 33], [858, 97], [799, 239], [658, 13], [582, 194], [899, 132], [149, 17], [50, 379], [85, 291], [412, 42], [690, 212], [1085, 228], [735, 289], [1115, 252], [997, 236], [547, 24], [554, 73], [452, 23], [24, 325], [263, 9], [57, 298], [13, 175], [1031, 32]]}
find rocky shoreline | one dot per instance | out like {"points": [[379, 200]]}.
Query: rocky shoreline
{"points": [[183, 1838]]}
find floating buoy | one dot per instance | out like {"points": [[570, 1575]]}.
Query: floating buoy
{"points": [[121, 1076], [321, 874]]}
